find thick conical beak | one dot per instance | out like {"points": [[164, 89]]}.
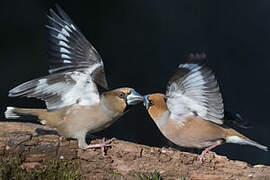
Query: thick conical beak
{"points": [[146, 101], [134, 98]]}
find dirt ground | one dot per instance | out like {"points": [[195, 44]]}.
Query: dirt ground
{"points": [[123, 160]]}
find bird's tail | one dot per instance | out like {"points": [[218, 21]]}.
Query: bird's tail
{"points": [[233, 136], [17, 113]]}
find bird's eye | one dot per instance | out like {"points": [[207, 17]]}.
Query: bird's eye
{"points": [[121, 95], [150, 103]]}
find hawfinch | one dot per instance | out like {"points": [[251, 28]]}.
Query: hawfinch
{"points": [[191, 113], [74, 105]]}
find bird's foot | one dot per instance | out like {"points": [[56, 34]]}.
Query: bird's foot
{"points": [[102, 145], [61, 138], [202, 156], [206, 150]]}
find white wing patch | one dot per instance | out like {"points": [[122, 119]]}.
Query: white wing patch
{"points": [[69, 50], [83, 91], [61, 90], [62, 43], [75, 68], [62, 37], [193, 90], [188, 66], [65, 57], [64, 50]]}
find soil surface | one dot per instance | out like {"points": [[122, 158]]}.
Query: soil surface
{"points": [[36, 146]]}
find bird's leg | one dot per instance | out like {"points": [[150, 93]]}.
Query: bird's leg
{"points": [[61, 138], [102, 145], [206, 150]]}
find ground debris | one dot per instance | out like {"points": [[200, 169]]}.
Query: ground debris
{"points": [[23, 151]]}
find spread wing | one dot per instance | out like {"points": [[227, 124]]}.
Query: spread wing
{"points": [[69, 50], [193, 89], [60, 90], [75, 68]]}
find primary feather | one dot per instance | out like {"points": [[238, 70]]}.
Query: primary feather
{"points": [[194, 90], [75, 67]]}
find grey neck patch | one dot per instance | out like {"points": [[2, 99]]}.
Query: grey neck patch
{"points": [[163, 119], [107, 111]]}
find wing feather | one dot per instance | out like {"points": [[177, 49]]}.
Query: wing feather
{"points": [[75, 67], [60, 90], [194, 89], [69, 50]]}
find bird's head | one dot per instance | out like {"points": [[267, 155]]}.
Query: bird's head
{"points": [[118, 100], [156, 105]]}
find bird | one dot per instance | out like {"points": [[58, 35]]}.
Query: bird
{"points": [[191, 112], [74, 104]]}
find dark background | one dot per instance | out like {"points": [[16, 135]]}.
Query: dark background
{"points": [[141, 43]]}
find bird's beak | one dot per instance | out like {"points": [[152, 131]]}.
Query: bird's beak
{"points": [[134, 98], [146, 102]]}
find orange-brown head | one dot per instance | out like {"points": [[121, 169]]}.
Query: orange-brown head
{"points": [[117, 100], [155, 105]]}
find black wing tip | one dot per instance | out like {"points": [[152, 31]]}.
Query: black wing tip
{"points": [[56, 5], [100, 78], [235, 119], [106, 86], [54, 8], [10, 94], [59, 9], [187, 65], [197, 58], [63, 14], [15, 92]]}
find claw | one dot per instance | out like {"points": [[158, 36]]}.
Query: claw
{"points": [[102, 145], [61, 138], [206, 150]]}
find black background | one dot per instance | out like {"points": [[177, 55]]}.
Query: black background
{"points": [[141, 43]]}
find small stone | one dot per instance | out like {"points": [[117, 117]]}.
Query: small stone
{"points": [[68, 153], [163, 151], [259, 166]]}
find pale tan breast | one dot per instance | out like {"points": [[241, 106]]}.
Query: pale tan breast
{"points": [[83, 118], [194, 132]]}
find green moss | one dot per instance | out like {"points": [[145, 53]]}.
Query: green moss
{"points": [[53, 169], [10, 168], [148, 176], [182, 177], [116, 172]]}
